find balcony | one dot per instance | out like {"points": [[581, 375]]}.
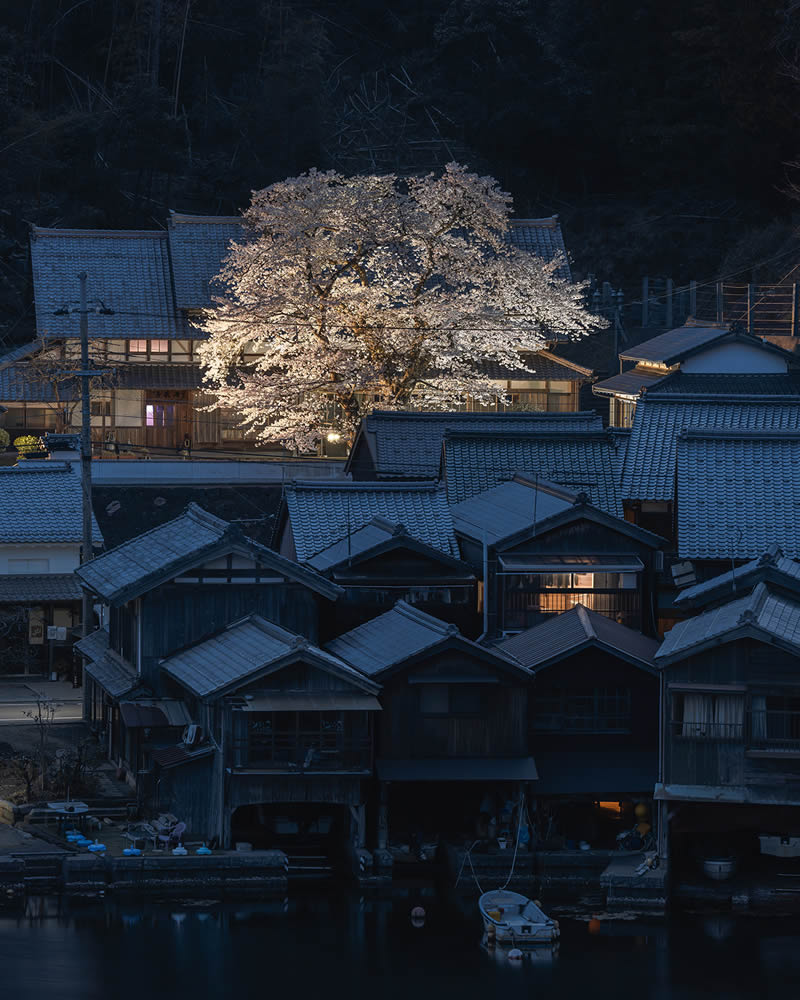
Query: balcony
{"points": [[773, 732], [309, 752]]}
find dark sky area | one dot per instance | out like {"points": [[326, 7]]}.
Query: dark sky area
{"points": [[661, 133]]}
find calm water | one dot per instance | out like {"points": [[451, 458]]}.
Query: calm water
{"points": [[345, 945]]}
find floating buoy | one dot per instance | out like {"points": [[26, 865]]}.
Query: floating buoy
{"points": [[203, 850], [97, 848], [131, 852], [515, 955], [594, 926]]}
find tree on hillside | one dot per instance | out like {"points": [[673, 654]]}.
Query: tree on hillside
{"points": [[355, 292]]}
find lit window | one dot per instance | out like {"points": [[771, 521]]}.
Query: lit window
{"points": [[137, 347], [150, 416], [159, 346]]}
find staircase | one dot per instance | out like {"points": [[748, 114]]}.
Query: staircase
{"points": [[308, 861]]}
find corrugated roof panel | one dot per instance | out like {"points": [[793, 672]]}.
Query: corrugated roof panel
{"points": [[631, 383], [669, 348]]}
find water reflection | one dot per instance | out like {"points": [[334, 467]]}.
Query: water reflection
{"points": [[313, 944]]}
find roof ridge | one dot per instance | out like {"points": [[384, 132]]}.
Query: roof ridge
{"points": [[547, 222], [423, 618], [754, 604], [37, 232], [186, 218], [458, 415], [367, 487]]}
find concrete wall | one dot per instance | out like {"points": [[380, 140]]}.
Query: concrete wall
{"points": [[736, 359]]}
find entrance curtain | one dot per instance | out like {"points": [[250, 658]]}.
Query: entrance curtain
{"points": [[697, 715], [729, 716]]}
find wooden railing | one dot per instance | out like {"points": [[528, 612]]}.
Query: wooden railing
{"points": [[304, 752]]}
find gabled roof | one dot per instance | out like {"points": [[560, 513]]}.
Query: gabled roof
{"points": [[321, 514], [408, 444], [523, 508], [128, 271], [544, 364], [543, 238], [105, 667], [649, 466], [568, 633], [672, 347], [505, 510], [771, 567], [198, 246], [43, 503], [163, 552], [737, 492], [386, 642], [581, 462], [247, 647], [374, 539], [764, 614]]}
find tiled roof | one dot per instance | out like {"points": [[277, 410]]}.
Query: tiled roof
{"points": [[407, 444], [396, 636], [737, 493], [543, 238], [712, 385], [502, 511], [567, 633], [649, 466], [585, 463], [631, 383], [156, 375], [762, 612], [180, 754], [671, 347], [18, 385], [544, 365], [324, 513], [375, 537], [128, 271], [772, 566], [173, 547], [198, 245], [19, 589], [95, 644], [242, 649], [44, 502]]}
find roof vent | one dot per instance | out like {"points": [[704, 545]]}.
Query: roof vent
{"points": [[683, 574]]}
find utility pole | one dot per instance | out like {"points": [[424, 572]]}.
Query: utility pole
{"points": [[86, 451]]}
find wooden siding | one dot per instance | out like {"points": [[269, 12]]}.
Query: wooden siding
{"points": [[253, 789]]}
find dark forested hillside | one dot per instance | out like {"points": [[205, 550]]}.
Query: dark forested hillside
{"points": [[659, 132]]}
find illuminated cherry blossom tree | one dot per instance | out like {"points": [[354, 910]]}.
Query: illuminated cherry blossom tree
{"points": [[350, 293]]}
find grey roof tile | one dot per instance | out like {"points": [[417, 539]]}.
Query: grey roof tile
{"points": [[771, 566], [737, 493], [47, 503], [775, 614], [106, 667], [243, 648], [19, 384], [725, 384], [156, 375], [18, 589], [671, 347], [585, 463], [571, 631], [408, 444], [170, 548], [395, 636], [95, 644], [128, 270], [543, 238], [648, 471], [321, 514], [502, 511], [198, 246]]}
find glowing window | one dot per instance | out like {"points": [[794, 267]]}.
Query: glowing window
{"points": [[159, 346], [137, 347]]}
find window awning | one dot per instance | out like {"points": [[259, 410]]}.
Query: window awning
{"points": [[570, 564], [468, 769], [152, 714], [312, 701]]}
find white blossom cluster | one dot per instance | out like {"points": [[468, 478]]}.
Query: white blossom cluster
{"points": [[351, 293]]}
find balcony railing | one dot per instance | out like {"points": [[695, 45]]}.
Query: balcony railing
{"points": [[774, 729], [304, 752], [688, 729]]}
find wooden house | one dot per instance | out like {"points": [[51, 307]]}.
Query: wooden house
{"points": [[731, 716], [542, 549], [452, 733], [380, 542], [593, 723]]}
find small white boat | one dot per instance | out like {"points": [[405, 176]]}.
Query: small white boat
{"points": [[511, 918]]}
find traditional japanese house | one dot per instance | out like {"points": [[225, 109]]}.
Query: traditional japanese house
{"points": [[695, 348], [541, 549], [731, 721], [166, 589], [39, 552], [453, 731], [380, 542], [593, 724]]}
